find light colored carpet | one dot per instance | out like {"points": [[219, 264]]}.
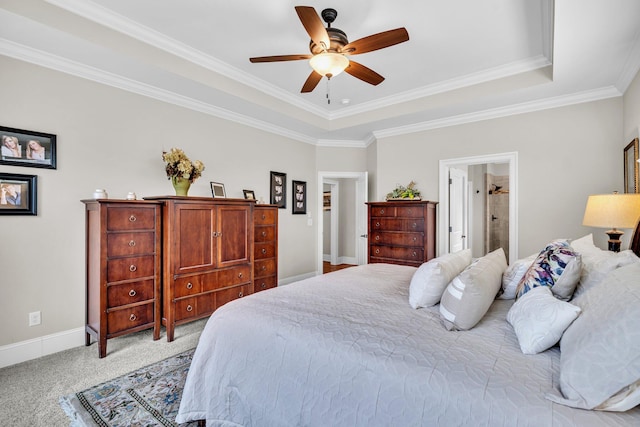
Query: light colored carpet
{"points": [[30, 391]]}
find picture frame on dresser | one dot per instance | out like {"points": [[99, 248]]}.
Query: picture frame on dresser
{"points": [[217, 190], [631, 184], [27, 148], [278, 186], [249, 194], [299, 197], [18, 194]]}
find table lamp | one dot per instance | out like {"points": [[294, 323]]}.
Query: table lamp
{"points": [[612, 211]]}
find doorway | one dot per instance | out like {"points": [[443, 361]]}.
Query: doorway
{"points": [[509, 162], [354, 208]]}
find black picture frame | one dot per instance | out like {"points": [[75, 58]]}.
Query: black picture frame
{"points": [[18, 194], [249, 194], [278, 193], [299, 197], [217, 190], [45, 155]]}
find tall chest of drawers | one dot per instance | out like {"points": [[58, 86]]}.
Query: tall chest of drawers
{"points": [[207, 255], [123, 269], [402, 232], [265, 254]]}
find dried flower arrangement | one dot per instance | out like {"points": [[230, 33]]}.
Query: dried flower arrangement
{"points": [[178, 165]]}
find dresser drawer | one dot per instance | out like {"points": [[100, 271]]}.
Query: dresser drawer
{"points": [[264, 216], [233, 276], [130, 268], [128, 318], [383, 211], [263, 283], [397, 252], [265, 267], [410, 263], [410, 211], [191, 285], [226, 295], [196, 306], [123, 244], [129, 293], [397, 238], [130, 218], [393, 224], [265, 234], [264, 250]]}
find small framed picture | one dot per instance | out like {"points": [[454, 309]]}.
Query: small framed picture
{"points": [[279, 189], [249, 194], [217, 190], [27, 148], [299, 197], [18, 194]]}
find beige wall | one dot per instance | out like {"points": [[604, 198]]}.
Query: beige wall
{"points": [[632, 111], [564, 154], [108, 138]]}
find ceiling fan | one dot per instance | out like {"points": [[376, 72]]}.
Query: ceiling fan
{"points": [[330, 47]]}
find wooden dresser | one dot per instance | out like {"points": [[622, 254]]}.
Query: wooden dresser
{"points": [[207, 252], [402, 232], [123, 269], [265, 254]]}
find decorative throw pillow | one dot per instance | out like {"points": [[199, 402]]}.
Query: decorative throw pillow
{"points": [[431, 278], [557, 266], [599, 363], [512, 276], [539, 319], [469, 295]]}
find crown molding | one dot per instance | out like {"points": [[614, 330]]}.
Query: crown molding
{"points": [[510, 110]]}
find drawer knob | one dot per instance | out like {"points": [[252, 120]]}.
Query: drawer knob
{"points": [[415, 239], [264, 251], [133, 317], [132, 218], [132, 243], [239, 275], [240, 294], [415, 254], [381, 211], [264, 216], [414, 225], [132, 293], [263, 285], [264, 267], [132, 268], [264, 234], [377, 224], [377, 251], [189, 285], [377, 237], [189, 308]]}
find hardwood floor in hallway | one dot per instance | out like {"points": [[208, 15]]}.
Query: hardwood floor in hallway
{"points": [[328, 268]]}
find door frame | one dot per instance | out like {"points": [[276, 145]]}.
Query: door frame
{"points": [[361, 181], [512, 159]]}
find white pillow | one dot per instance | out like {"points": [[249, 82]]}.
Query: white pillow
{"points": [[513, 274], [432, 277], [599, 363], [539, 319], [469, 296]]}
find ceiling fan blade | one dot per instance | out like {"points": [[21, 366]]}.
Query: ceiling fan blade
{"points": [[277, 58], [376, 41], [314, 26], [311, 83], [363, 73]]}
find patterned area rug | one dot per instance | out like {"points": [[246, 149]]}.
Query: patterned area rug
{"points": [[149, 396]]}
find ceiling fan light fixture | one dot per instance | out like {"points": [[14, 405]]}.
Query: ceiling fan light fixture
{"points": [[329, 63]]}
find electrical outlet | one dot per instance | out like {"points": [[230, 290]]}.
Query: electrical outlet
{"points": [[34, 318]]}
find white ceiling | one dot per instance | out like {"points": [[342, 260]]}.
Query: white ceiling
{"points": [[466, 60]]}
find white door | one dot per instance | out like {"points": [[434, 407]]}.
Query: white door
{"points": [[457, 209], [362, 192]]}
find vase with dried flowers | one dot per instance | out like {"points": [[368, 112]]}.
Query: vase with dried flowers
{"points": [[180, 170]]}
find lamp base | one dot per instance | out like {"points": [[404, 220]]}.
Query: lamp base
{"points": [[614, 239]]}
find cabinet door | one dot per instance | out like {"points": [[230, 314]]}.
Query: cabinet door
{"points": [[233, 238], [193, 246]]}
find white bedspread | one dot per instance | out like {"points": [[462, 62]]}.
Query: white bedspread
{"points": [[346, 349]]}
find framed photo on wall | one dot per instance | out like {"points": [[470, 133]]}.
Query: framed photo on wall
{"points": [[279, 189], [631, 167], [27, 148], [18, 194], [299, 197]]}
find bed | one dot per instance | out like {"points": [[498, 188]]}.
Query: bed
{"points": [[346, 349]]}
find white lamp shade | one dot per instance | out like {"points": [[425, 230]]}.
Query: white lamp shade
{"points": [[329, 63], [612, 211]]}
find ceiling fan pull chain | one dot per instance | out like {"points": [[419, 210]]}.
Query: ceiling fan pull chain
{"points": [[329, 90]]}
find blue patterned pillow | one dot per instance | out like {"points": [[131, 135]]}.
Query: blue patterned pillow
{"points": [[557, 266]]}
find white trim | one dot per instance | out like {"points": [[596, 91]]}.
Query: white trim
{"points": [[32, 349], [293, 279], [443, 206]]}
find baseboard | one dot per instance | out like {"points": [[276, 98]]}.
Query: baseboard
{"points": [[32, 349], [341, 260], [296, 278]]}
